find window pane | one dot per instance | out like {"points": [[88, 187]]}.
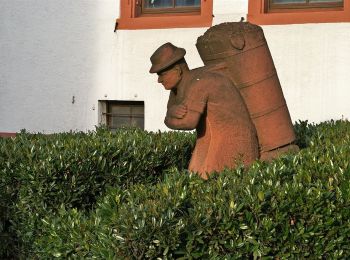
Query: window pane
{"points": [[326, 1], [192, 3], [137, 116], [288, 1], [137, 110], [125, 113], [138, 121], [120, 110], [119, 121], [158, 3]]}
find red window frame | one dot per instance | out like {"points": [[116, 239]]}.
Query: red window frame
{"points": [[173, 9], [131, 17], [259, 12]]}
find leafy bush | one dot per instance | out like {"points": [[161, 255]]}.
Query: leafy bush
{"points": [[40, 173], [294, 207], [271, 210]]}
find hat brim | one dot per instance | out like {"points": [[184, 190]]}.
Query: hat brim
{"points": [[178, 55]]}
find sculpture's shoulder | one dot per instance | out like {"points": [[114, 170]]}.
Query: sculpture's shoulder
{"points": [[213, 74]]}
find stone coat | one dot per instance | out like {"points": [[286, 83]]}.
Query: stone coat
{"points": [[225, 133]]}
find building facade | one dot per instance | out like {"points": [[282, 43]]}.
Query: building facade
{"points": [[68, 65]]}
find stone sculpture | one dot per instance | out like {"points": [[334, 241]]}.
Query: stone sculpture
{"points": [[206, 100], [242, 51]]}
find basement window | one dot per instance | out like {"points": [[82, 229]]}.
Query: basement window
{"points": [[116, 114]]}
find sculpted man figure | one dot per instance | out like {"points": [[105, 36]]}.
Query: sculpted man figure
{"points": [[205, 100]]}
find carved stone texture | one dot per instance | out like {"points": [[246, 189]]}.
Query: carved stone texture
{"points": [[207, 101], [242, 49]]}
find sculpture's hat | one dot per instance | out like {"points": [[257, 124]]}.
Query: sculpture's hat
{"points": [[165, 56]]}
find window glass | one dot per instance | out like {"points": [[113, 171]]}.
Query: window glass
{"points": [[119, 109], [194, 3], [288, 1], [138, 121], [158, 3], [305, 1], [269, 12], [303, 4], [118, 121], [159, 14], [326, 1], [138, 116], [124, 113], [168, 6]]}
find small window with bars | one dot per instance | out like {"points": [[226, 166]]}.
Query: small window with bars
{"points": [[124, 113], [303, 4], [170, 6]]}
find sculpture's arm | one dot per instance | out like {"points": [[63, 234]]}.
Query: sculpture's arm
{"points": [[173, 109], [189, 122], [177, 111], [195, 103]]}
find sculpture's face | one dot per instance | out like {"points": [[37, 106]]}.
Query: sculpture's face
{"points": [[170, 78]]}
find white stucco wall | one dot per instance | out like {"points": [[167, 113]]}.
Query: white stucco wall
{"points": [[313, 64], [51, 51]]}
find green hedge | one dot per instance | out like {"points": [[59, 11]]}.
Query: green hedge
{"points": [[294, 207], [39, 173]]}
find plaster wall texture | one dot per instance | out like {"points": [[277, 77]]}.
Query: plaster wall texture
{"points": [[313, 64], [51, 51]]}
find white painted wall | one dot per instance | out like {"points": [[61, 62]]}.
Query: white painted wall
{"points": [[229, 10], [53, 50], [313, 64]]}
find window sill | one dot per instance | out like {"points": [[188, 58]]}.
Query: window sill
{"points": [[256, 15], [7, 134], [161, 22]]}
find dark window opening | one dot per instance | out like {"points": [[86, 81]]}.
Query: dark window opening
{"points": [[125, 113]]}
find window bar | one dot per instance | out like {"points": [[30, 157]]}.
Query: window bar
{"points": [[123, 115]]}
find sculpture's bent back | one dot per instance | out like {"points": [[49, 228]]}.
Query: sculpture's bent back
{"points": [[242, 49]]}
